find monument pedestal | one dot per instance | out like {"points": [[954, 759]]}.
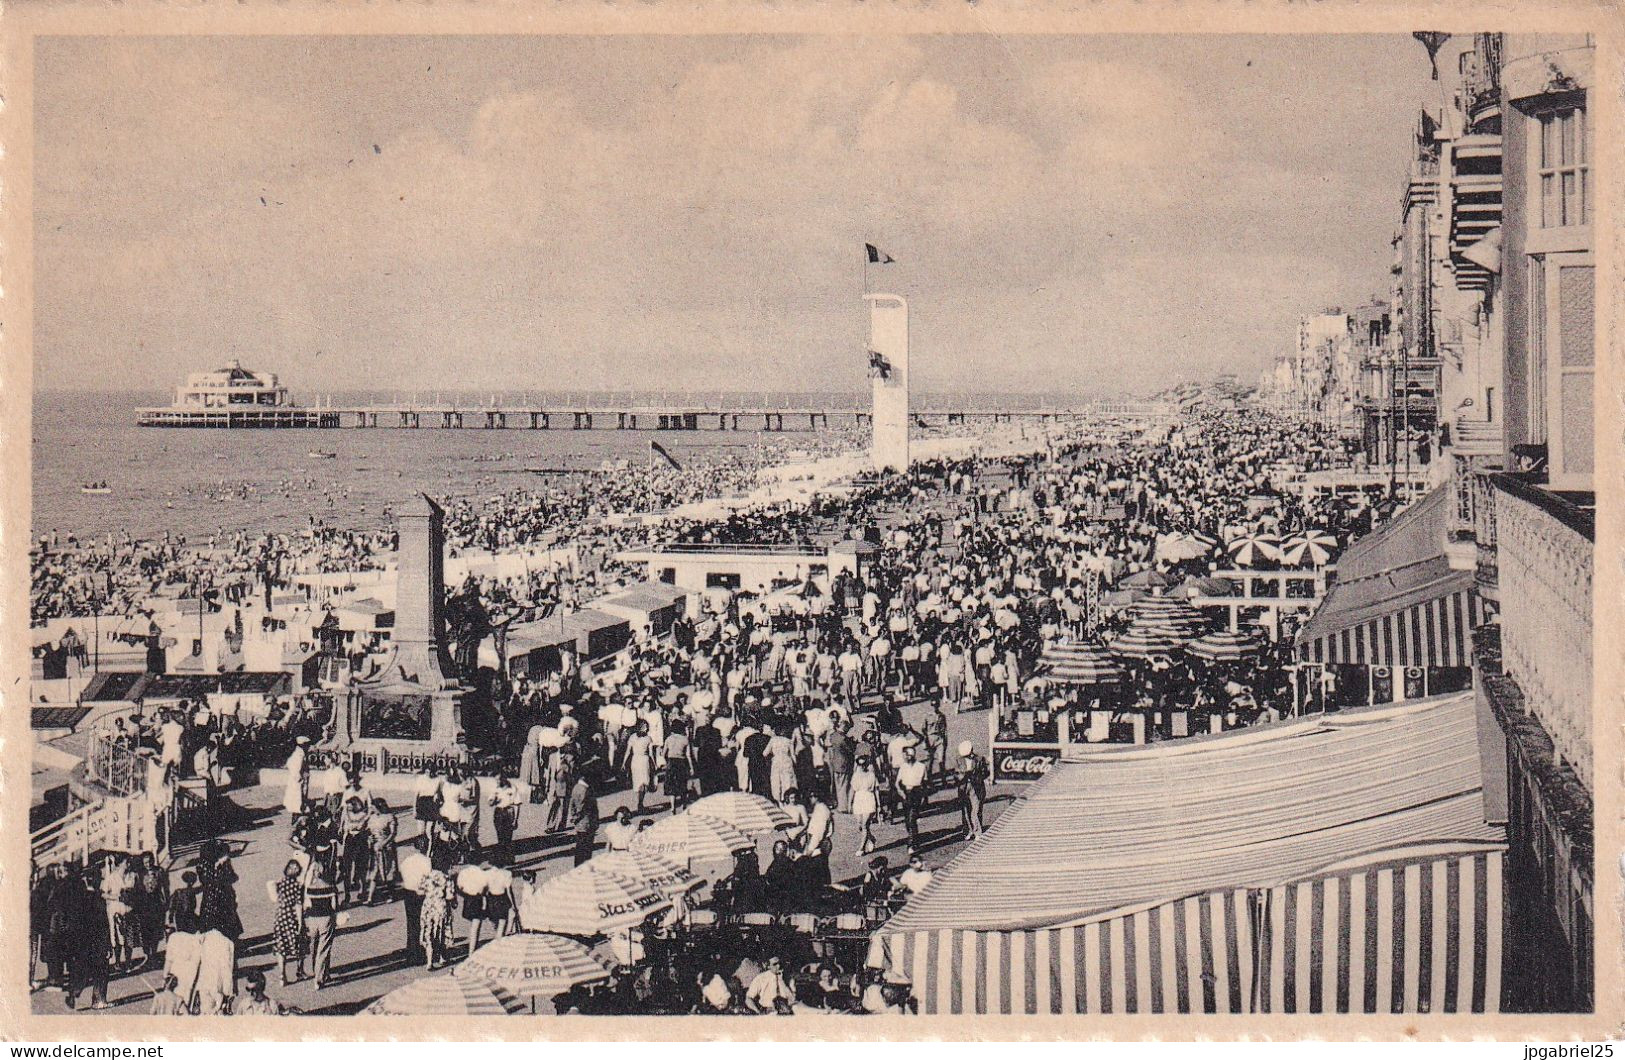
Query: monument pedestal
{"points": [[399, 727]]}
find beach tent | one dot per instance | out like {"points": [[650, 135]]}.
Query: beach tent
{"points": [[1340, 863], [598, 635], [651, 606], [538, 647]]}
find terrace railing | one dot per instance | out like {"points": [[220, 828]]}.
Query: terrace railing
{"points": [[1544, 559]]}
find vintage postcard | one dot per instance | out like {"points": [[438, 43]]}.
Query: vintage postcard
{"points": [[793, 521]]}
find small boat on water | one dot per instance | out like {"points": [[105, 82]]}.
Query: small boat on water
{"points": [[95, 487], [321, 454]]}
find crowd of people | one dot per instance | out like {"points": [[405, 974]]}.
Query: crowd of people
{"points": [[118, 574], [971, 569]]}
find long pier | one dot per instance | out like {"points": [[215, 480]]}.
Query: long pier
{"points": [[625, 417]]}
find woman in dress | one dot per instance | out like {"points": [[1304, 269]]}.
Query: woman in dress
{"points": [[183, 950], [221, 927], [287, 933], [437, 926], [781, 766], [382, 832], [297, 791], [426, 805], [641, 763], [864, 783], [355, 856]]}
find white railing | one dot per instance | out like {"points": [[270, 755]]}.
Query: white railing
{"points": [[129, 825], [1544, 563]]}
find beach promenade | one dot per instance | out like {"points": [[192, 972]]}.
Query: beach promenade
{"points": [[367, 953]]}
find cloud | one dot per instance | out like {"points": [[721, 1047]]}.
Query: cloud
{"points": [[705, 212]]}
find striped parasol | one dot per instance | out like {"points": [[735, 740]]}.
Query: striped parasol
{"points": [[1081, 664], [1310, 548], [1194, 587], [446, 995], [1225, 645], [664, 875], [533, 964], [689, 837], [750, 813], [1175, 548], [1168, 611], [1248, 548], [589, 903], [1140, 642], [1146, 579]]}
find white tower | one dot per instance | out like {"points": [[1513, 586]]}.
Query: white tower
{"points": [[888, 359]]}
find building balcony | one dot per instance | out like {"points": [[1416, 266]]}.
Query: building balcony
{"points": [[1540, 546]]}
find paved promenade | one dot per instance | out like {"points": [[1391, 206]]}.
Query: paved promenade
{"points": [[367, 954]]}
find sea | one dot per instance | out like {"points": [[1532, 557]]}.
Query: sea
{"points": [[196, 483]]}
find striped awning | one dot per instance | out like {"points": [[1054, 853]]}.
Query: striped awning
{"points": [[1426, 621], [1419, 931], [1115, 827], [1398, 601], [1193, 955]]}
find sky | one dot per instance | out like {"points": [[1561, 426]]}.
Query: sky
{"points": [[1074, 214]]}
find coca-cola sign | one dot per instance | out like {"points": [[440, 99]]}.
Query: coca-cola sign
{"points": [[1023, 763]]}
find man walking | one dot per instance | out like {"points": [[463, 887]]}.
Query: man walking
{"points": [[838, 755], [971, 780], [911, 787], [583, 818], [321, 914], [560, 774], [936, 740]]}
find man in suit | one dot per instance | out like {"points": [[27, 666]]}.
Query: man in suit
{"points": [[838, 754], [560, 773], [583, 818]]}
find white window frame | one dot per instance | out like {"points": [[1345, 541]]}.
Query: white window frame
{"points": [[1541, 239]]}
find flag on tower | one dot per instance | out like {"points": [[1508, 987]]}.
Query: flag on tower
{"points": [[877, 256]]}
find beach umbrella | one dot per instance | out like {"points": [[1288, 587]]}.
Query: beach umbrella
{"points": [[1139, 642], [1146, 579], [1123, 597], [1225, 646], [1175, 548], [589, 903], [1166, 608], [1170, 616], [447, 995], [1193, 587], [1249, 548], [1081, 664], [1310, 548], [689, 837], [663, 874], [750, 813], [533, 964]]}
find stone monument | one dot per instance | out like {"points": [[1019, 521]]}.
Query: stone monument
{"points": [[409, 712]]}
